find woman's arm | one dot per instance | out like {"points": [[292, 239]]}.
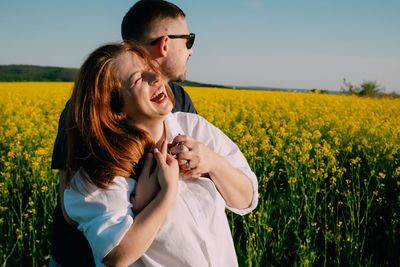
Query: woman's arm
{"points": [[142, 232], [146, 224], [106, 218]]}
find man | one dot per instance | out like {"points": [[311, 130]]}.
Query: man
{"points": [[161, 27]]}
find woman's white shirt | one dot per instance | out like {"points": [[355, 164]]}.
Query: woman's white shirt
{"points": [[195, 232]]}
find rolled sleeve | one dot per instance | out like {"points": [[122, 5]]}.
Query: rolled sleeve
{"points": [[253, 179], [104, 216], [236, 159]]}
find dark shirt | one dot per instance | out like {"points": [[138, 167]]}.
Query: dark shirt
{"points": [[69, 246]]}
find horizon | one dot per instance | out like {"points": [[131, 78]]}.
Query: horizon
{"points": [[285, 44]]}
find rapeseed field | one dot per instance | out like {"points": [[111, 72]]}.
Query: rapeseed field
{"points": [[328, 169]]}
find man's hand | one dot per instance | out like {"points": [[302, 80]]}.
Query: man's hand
{"points": [[194, 158]]}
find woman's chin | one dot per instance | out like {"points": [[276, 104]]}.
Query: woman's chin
{"points": [[163, 109]]}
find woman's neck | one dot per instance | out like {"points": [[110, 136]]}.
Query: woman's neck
{"points": [[157, 131]]}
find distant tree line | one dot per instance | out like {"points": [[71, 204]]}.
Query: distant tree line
{"points": [[33, 73], [19, 73], [318, 91], [366, 88]]}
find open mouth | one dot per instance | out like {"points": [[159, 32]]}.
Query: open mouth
{"points": [[159, 96]]}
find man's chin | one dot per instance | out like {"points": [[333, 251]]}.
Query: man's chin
{"points": [[179, 79]]}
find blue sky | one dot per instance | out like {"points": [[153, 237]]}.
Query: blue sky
{"points": [[289, 44]]}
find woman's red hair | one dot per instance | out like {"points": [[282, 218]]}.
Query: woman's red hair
{"points": [[100, 140]]}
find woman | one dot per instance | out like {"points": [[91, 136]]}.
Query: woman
{"points": [[120, 111]]}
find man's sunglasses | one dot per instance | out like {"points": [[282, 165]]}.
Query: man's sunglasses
{"points": [[189, 37]]}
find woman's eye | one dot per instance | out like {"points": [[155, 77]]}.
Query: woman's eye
{"points": [[137, 80]]}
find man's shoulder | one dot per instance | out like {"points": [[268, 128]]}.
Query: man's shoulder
{"points": [[183, 102], [176, 88], [174, 84]]}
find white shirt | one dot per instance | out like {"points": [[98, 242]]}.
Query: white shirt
{"points": [[196, 230]]}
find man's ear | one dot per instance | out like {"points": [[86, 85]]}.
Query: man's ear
{"points": [[162, 46]]}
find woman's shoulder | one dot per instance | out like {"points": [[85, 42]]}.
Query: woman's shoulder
{"points": [[81, 184], [83, 195]]}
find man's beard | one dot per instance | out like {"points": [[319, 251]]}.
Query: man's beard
{"points": [[171, 75], [181, 78]]}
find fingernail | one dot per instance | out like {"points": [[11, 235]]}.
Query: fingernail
{"points": [[156, 150]]}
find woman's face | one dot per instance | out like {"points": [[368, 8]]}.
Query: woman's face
{"points": [[144, 95]]}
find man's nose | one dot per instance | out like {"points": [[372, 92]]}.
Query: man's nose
{"points": [[190, 52]]}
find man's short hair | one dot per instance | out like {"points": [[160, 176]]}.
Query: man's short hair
{"points": [[138, 20]]}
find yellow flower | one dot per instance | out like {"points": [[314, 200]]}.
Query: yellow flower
{"points": [[304, 138]]}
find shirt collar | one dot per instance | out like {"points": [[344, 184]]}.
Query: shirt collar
{"points": [[172, 127]]}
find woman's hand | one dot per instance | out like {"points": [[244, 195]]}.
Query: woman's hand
{"points": [[149, 183], [195, 159], [167, 169], [147, 186]]}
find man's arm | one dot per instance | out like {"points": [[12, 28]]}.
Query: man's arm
{"points": [[233, 185], [63, 186], [58, 160], [206, 149]]}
